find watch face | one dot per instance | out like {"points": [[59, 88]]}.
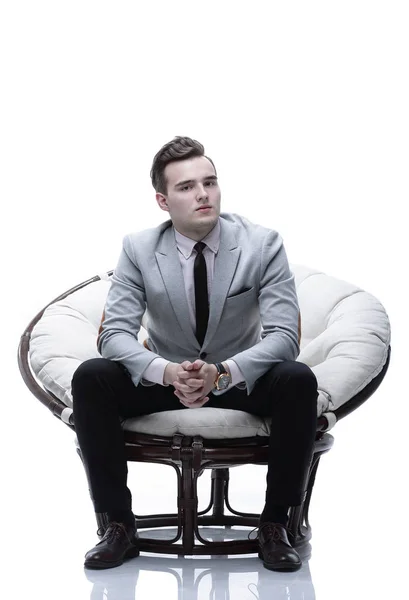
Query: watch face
{"points": [[223, 381]]}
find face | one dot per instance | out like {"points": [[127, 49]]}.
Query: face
{"points": [[191, 186]]}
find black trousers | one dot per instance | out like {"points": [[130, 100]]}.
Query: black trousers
{"points": [[103, 392]]}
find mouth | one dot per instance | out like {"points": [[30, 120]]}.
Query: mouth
{"points": [[204, 208]]}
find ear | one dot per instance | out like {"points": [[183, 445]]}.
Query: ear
{"points": [[162, 201]]}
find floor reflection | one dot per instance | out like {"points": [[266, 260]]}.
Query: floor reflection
{"points": [[200, 578]]}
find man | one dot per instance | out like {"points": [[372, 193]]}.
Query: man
{"points": [[207, 280]]}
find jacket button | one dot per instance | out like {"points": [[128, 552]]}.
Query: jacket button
{"points": [[203, 355]]}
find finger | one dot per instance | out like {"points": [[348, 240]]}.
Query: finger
{"points": [[194, 383], [182, 374], [190, 388], [188, 375], [187, 379], [188, 404], [185, 389], [186, 397], [199, 400], [186, 364], [198, 364], [182, 399]]}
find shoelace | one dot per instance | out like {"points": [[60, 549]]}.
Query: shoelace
{"points": [[113, 532], [273, 530], [100, 531], [269, 529]]}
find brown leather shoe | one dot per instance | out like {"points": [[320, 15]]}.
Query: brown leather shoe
{"points": [[275, 550], [118, 543]]}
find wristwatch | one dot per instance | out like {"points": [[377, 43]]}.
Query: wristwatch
{"points": [[223, 379]]}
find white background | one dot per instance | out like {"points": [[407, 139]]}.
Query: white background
{"points": [[303, 106]]}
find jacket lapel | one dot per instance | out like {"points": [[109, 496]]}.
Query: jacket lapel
{"points": [[224, 268], [171, 271]]}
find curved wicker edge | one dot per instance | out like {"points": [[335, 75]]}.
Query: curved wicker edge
{"points": [[45, 396], [364, 394], [56, 406]]}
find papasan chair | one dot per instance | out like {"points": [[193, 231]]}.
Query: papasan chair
{"points": [[344, 338]]}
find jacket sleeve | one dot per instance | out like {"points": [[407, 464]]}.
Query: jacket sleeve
{"points": [[279, 314], [124, 308]]}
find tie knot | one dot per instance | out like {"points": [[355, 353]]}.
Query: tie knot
{"points": [[199, 247]]}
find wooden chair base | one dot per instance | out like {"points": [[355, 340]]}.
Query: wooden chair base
{"points": [[189, 457]]}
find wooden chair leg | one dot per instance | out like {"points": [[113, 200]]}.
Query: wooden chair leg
{"points": [[219, 479], [187, 503], [187, 460], [237, 512]]}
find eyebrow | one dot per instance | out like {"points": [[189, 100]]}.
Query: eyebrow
{"points": [[180, 183]]}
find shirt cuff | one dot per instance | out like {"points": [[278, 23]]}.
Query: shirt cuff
{"points": [[237, 378], [236, 374], [154, 372]]}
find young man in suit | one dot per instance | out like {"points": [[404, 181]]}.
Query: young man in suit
{"points": [[222, 332]]}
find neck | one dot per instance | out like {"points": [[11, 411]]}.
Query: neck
{"points": [[194, 234]]}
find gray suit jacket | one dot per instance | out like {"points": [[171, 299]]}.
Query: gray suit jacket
{"points": [[253, 307]]}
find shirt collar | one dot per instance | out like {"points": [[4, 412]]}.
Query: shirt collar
{"points": [[185, 245]]}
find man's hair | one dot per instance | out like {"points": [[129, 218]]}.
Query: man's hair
{"points": [[180, 148]]}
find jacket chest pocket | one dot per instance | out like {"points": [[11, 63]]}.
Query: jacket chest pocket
{"points": [[237, 308], [241, 295]]}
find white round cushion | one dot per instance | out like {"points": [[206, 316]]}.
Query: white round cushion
{"points": [[344, 340]]}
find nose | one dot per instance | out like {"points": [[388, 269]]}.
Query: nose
{"points": [[202, 192]]}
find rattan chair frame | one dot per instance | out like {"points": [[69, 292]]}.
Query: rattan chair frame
{"points": [[190, 456]]}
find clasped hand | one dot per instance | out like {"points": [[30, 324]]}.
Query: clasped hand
{"points": [[192, 381]]}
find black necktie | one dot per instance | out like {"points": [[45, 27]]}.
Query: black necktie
{"points": [[201, 294]]}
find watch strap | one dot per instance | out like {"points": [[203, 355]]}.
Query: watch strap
{"points": [[220, 368]]}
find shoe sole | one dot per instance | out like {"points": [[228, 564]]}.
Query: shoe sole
{"points": [[284, 567], [98, 564]]}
